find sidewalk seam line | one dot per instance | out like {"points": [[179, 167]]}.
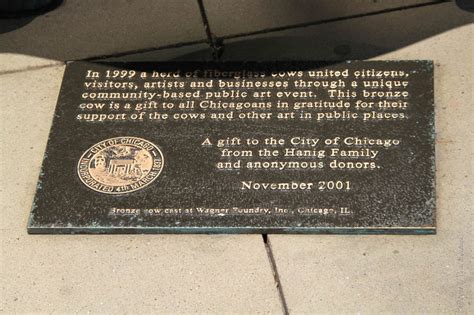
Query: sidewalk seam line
{"points": [[213, 41], [33, 68], [276, 275], [141, 51]]}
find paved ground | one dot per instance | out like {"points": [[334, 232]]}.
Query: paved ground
{"points": [[226, 273]]}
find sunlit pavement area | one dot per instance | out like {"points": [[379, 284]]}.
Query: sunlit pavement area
{"points": [[113, 274]]}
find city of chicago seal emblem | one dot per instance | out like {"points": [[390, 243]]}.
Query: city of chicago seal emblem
{"points": [[120, 165]]}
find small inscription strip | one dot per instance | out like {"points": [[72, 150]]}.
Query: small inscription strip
{"points": [[280, 147]]}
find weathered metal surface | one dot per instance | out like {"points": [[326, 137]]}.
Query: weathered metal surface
{"points": [[282, 147]]}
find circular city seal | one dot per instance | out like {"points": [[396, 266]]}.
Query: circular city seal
{"points": [[120, 165]]}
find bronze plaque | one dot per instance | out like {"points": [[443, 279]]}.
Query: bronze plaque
{"points": [[275, 147]]}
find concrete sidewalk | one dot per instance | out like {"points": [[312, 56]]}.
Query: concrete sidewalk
{"points": [[234, 273]]}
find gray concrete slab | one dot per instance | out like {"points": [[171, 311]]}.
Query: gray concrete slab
{"points": [[101, 274], [232, 17], [85, 28], [359, 38], [402, 274]]}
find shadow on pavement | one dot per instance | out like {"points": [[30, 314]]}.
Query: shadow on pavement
{"points": [[84, 33]]}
